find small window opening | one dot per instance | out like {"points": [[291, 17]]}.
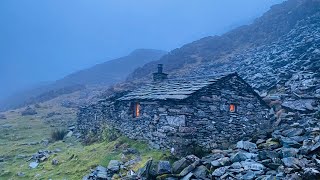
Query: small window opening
{"points": [[233, 108], [136, 112]]}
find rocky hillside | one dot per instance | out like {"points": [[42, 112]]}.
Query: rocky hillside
{"points": [[291, 151], [94, 78], [284, 21]]}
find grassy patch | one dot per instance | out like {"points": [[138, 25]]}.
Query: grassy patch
{"points": [[21, 136]]}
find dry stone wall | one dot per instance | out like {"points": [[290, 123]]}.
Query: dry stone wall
{"points": [[203, 119]]}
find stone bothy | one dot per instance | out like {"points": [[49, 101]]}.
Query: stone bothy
{"points": [[207, 111]]}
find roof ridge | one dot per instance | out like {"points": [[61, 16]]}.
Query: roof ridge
{"points": [[203, 76], [180, 88]]}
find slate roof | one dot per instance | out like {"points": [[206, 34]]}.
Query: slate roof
{"points": [[175, 89]]}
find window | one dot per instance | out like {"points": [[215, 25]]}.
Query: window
{"points": [[136, 110], [233, 108]]}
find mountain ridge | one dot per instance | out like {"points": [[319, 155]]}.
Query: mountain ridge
{"points": [[103, 74], [278, 21]]}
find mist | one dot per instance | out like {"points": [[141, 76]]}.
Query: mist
{"points": [[43, 41]]}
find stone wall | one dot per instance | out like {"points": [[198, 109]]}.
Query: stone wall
{"points": [[203, 118]]}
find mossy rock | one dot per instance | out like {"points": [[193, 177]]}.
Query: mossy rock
{"points": [[270, 144]]}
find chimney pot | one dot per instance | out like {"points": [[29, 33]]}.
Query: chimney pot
{"points": [[159, 76], [160, 68]]}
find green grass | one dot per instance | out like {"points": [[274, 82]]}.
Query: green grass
{"points": [[25, 129]]}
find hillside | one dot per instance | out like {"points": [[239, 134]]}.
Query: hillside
{"points": [[96, 77], [220, 50], [112, 71]]}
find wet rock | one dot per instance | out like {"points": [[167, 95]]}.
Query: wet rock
{"points": [[114, 165], [54, 162], [289, 152], [145, 170], [252, 165], [311, 173], [164, 167], [236, 165], [246, 145], [260, 141], [221, 162], [242, 156], [208, 159], [220, 171], [288, 143], [188, 176], [293, 132], [21, 174], [292, 162], [270, 144], [265, 154], [33, 165], [200, 172], [192, 158], [190, 168], [316, 147], [99, 173], [272, 163], [249, 175], [179, 165]]}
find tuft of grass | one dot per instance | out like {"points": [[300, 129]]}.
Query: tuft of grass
{"points": [[75, 160], [58, 134]]}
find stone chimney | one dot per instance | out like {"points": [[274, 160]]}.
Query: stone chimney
{"points": [[159, 76]]}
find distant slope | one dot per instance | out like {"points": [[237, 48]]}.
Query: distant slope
{"points": [[112, 71], [217, 50], [104, 74]]}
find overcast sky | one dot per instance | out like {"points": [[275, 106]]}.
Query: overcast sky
{"points": [[43, 40]]}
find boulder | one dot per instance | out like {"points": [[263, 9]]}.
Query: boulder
{"points": [[220, 171], [33, 165], [242, 156], [101, 172], [249, 175], [221, 162], [200, 172], [21, 174], [289, 152], [246, 145], [144, 171], [288, 143], [188, 176], [114, 165], [179, 165], [188, 169], [265, 154], [270, 144], [292, 162], [252, 165], [164, 167], [54, 162], [311, 173], [293, 132]]}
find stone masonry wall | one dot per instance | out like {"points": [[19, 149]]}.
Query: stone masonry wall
{"points": [[203, 118]]}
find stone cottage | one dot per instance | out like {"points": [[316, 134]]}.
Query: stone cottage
{"points": [[206, 111]]}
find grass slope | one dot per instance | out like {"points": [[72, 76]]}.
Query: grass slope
{"points": [[75, 160]]}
